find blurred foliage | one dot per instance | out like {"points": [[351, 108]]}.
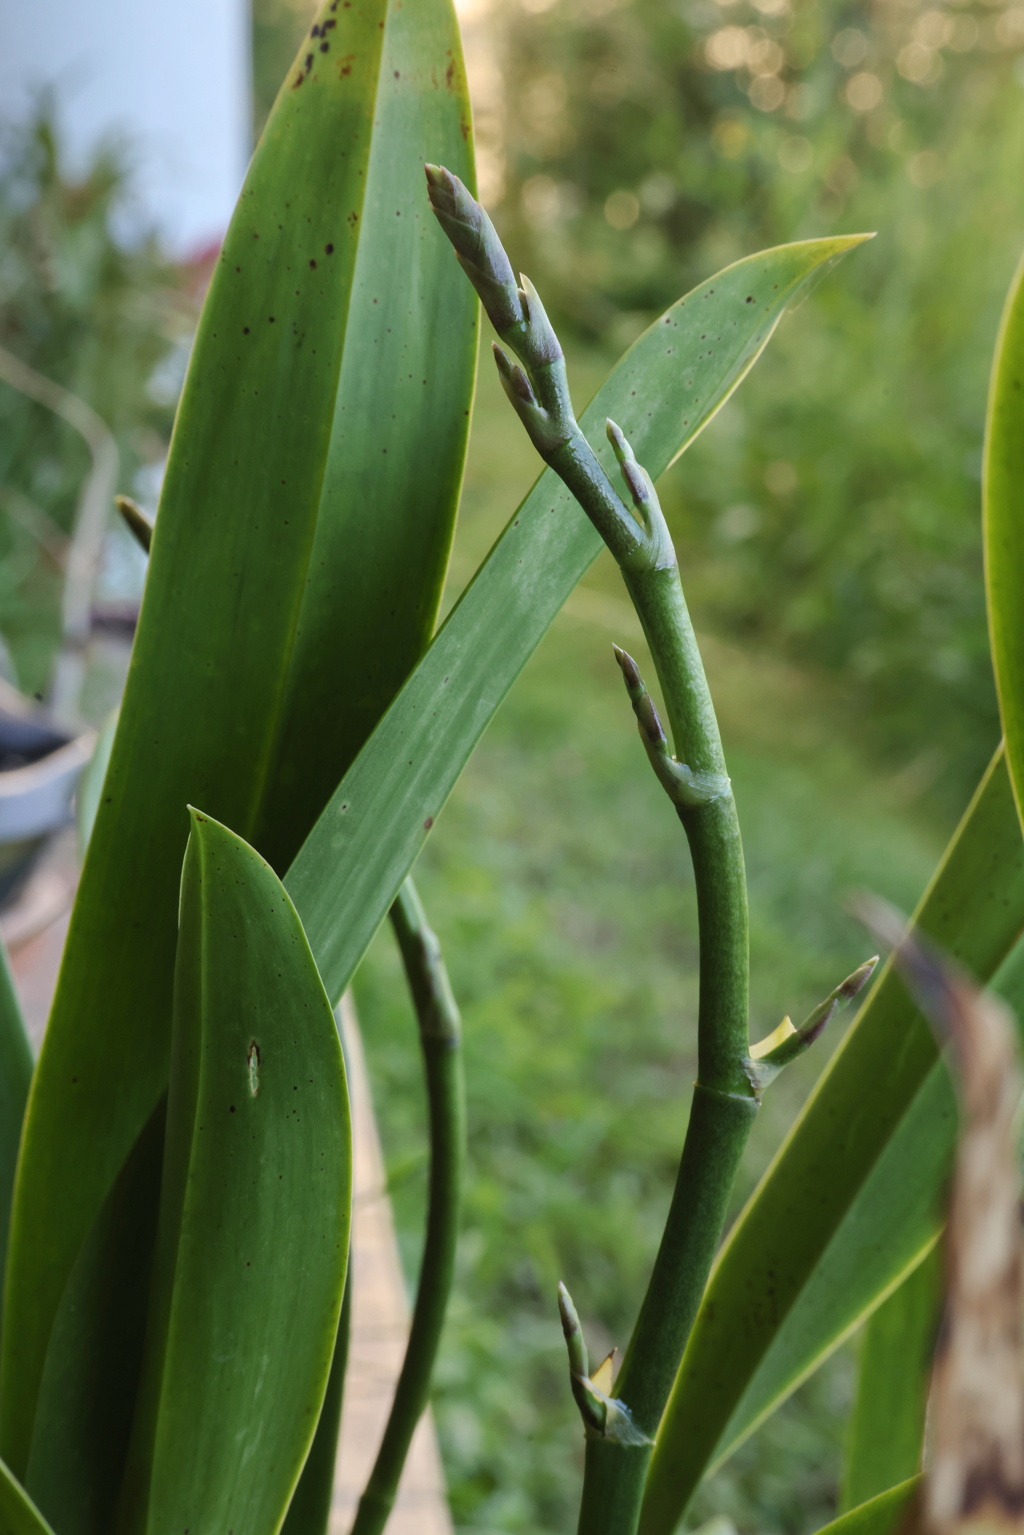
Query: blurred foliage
{"points": [[634, 141], [98, 310], [631, 147], [628, 148]]}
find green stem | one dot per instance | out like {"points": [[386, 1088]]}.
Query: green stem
{"points": [[613, 1484], [715, 1137], [724, 1103], [712, 830], [440, 1039], [725, 1100]]}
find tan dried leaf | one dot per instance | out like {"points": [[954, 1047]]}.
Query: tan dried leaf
{"points": [[974, 1481]]}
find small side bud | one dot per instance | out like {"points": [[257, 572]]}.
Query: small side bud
{"points": [[572, 1331], [658, 550], [652, 731], [514, 380], [686, 789], [544, 345], [480, 252], [603, 1416], [545, 431], [815, 1022], [136, 521], [638, 481], [593, 1409], [618, 439], [784, 1044]]}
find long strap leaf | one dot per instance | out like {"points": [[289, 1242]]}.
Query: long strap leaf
{"points": [[663, 392], [847, 1208], [886, 1432], [93, 1364], [401, 420], [226, 576], [242, 603], [1004, 526], [255, 1209], [15, 1077], [18, 1514], [309, 1512], [881, 1515]]}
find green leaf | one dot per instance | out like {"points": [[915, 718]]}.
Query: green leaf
{"points": [[881, 1515], [848, 1207], [400, 427], [886, 1432], [1004, 526], [663, 392], [91, 1376], [254, 1212], [268, 635], [15, 1079], [90, 786], [309, 1512], [18, 1514]]}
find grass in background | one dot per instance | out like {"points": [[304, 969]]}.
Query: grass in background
{"points": [[559, 882]]}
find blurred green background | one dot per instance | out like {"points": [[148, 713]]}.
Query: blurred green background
{"points": [[828, 525]]}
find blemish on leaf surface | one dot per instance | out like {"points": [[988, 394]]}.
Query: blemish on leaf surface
{"points": [[253, 1063]]}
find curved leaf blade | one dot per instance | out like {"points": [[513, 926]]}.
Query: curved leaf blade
{"points": [[881, 1515], [240, 623], [226, 576], [90, 786], [1003, 522], [867, 1157], [94, 1361], [15, 1079], [886, 1433], [666, 388], [397, 455], [255, 1208], [401, 423], [18, 1514], [309, 1512]]}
